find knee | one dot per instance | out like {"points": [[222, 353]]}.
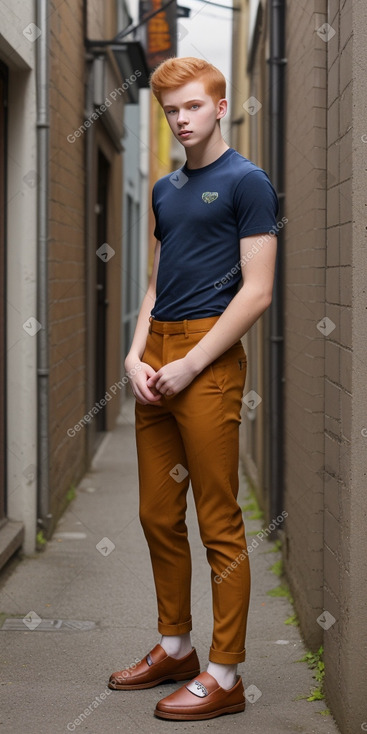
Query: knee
{"points": [[153, 520]]}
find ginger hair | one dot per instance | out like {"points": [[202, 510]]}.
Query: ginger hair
{"points": [[175, 72]]}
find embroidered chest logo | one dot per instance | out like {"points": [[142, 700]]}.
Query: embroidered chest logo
{"points": [[209, 196]]}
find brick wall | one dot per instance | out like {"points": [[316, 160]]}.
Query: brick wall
{"points": [[304, 303], [66, 248], [338, 355], [346, 356]]}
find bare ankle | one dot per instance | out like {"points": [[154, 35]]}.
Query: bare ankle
{"points": [[176, 646], [225, 675]]}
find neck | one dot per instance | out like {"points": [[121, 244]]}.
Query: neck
{"points": [[206, 153]]}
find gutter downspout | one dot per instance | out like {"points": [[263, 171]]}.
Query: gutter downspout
{"points": [[43, 124], [277, 62]]}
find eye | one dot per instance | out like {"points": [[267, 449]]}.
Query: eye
{"points": [[169, 112], [195, 107]]}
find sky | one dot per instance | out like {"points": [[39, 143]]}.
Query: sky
{"points": [[207, 33]]}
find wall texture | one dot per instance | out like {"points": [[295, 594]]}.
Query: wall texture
{"points": [[345, 558], [304, 305], [66, 248]]}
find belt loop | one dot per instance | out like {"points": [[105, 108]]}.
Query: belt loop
{"points": [[150, 324], [186, 330]]}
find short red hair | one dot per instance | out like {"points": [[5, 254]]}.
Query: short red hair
{"points": [[175, 72]]}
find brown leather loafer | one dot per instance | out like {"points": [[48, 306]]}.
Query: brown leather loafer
{"points": [[210, 700], [154, 669]]}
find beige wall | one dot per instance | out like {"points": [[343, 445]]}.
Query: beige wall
{"points": [[18, 53], [325, 404], [345, 556]]}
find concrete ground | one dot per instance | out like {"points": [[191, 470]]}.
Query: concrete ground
{"points": [[52, 672]]}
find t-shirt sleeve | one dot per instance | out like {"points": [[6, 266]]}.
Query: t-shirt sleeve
{"points": [[256, 204], [157, 231]]}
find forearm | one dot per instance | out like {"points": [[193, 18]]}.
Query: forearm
{"points": [[241, 313], [141, 332]]}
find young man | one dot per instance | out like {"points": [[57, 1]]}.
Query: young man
{"points": [[212, 278]]}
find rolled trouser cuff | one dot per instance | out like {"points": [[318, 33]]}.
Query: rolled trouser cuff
{"points": [[175, 629], [227, 658]]}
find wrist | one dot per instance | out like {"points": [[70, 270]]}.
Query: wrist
{"points": [[195, 362], [131, 360]]}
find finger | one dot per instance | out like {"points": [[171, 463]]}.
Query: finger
{"points": [[151, 381], [149, 396]]}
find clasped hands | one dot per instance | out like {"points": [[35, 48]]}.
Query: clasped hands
{"points": [[149, 385]]}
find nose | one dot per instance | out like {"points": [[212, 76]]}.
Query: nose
{"points": [[182, 117]]}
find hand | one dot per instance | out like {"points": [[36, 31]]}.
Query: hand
{"points": [[172, 377], [139, 385]]}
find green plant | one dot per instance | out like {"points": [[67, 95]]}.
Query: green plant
{"points": [[293, 620], [253, 506], [277, 568], [71, 493], [276, 547], [315, 662], [40, 539], [281, 590]]}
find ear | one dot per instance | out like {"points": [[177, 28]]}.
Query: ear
{"points": [[222, 107]]}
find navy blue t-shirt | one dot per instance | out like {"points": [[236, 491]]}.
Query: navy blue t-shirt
{"points": [[201, 214]]}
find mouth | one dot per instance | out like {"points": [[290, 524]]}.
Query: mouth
{"points": [[185, 133]]}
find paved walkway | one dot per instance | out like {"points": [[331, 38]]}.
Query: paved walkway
{"points": [[54, 672]]}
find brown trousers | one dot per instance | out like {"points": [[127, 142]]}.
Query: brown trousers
{"points": [[194, 436]]}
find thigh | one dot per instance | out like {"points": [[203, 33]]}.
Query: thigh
{"points": [[209, 416], [162, 461]]}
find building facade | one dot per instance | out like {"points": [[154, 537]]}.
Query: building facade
{"points": [[302, 83], [63, 92]]}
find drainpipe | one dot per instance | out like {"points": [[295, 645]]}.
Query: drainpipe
{"points": [[277, 62], [42, 83]]}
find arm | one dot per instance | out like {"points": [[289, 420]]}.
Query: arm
{"points": [[138, 383], [248, 304]]}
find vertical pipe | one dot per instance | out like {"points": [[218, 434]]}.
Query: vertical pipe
{"points": [[277, 63], [42, 83]]}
